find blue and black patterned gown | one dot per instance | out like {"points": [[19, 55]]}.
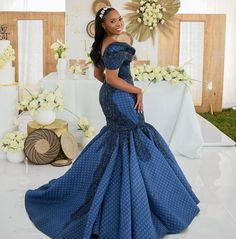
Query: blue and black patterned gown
{"points": [[125, 184]]}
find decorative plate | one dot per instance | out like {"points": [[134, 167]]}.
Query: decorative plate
{"points": [[125, 37], [98, 4], [91, 28], [42, 146], [61, 162], [69, 145]]}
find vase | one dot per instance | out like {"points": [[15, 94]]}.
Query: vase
{"points": [[3, 155], [61, 68], [44, 117], [16, 157]]}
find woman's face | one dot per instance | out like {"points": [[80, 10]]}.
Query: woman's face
{"points": [[113, 23]]}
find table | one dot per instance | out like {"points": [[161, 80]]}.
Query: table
{"points": [[169, 108], [8, 111]]}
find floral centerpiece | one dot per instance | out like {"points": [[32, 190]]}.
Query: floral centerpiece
{"points": [[43, 104], [60, 49], [146, 15], [171, 74], [13, 141], [60, 54], [13, 144], [8, 55], [150, 13], [75, 70]]}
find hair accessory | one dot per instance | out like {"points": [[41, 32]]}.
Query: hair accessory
{"points": [[103, 11]]}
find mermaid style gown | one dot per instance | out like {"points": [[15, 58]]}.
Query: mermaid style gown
{"points": [[125, 184]]}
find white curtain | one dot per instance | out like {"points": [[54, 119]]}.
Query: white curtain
{"points": [[191, 55], [227, 7], [30, 39], [30, 53]]}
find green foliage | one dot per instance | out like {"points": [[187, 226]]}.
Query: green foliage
{"points": [[224, 121]]}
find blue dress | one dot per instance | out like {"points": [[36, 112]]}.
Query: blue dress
{"points": [[125, 184]]}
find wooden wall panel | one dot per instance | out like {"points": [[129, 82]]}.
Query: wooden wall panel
{"points": [[53, 29], [214, 50]]}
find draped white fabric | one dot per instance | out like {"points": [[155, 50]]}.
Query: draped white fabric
{"points": [[30, 55], [169, 108], [227, 7]]}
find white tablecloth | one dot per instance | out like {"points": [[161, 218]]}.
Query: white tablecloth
{"points": [[8, 111], [169, 108]]}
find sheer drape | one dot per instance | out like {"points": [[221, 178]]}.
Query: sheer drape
{"points": [[30, 39], [227, 7], [30, 53]]}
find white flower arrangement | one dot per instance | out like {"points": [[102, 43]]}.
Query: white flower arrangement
{"points": [[172, 74], [8, 55], [60, 49], [43, 99], [75, 69], [150, 13], [85, 126], [13, 141], [145, 16]]}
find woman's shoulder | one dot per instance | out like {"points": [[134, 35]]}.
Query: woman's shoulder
{"points": [[117, 46]]}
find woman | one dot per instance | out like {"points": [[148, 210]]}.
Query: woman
{"points": [[126, 183]]}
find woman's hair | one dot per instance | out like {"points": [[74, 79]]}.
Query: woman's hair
{"points": [[95, 53]]}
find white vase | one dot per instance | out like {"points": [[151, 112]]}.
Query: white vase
{"points": [[44, 117], [61, 68], [3, 155], [16, 157]]}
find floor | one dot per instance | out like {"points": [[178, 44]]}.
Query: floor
{"points": [[213, 178]]}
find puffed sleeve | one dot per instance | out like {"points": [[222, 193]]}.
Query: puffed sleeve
{"points": [[113, 59]]}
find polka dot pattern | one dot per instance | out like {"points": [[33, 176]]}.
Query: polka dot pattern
{"points": [[125, 184]]}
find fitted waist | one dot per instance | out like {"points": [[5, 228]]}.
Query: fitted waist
{"points": [[127, 77], [118, 127]]}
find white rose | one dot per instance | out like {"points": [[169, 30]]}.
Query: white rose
{"points": [[151, 76], [145, 76], [139, 20], [83, 121], [148, 68]]}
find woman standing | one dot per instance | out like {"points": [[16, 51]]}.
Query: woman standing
{"points": [[126, 183]]}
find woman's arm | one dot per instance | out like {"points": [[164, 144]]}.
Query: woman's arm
{"points": [[115, 81], [99, 74]]}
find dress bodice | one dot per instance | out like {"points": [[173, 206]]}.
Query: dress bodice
{"points": [[119, 55]]}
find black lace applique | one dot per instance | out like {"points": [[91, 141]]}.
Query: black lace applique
{"points": [[118, 126], [108, 147]]}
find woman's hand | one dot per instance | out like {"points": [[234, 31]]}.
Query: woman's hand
{"points": [[139, 102]]}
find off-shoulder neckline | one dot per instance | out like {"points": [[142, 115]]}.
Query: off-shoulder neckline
{"points": [[114, 42]]}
